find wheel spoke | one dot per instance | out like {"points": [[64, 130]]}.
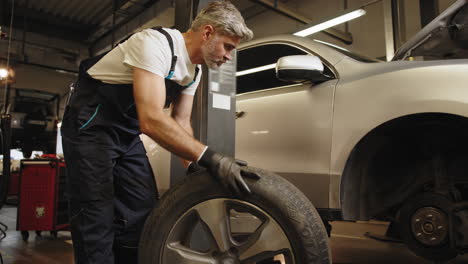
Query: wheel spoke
{"points": [[180, 254], [214, 215], [269, 237]]}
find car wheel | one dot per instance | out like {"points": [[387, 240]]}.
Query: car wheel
{"points": [[276, 224], [424, 226]]}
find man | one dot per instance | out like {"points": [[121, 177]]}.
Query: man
{"points": [[122, 94]]}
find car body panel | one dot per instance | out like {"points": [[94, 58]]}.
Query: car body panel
{"points": [[370, 95], [266, 136]]}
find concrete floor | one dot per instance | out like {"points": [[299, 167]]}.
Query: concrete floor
{"points": [[349, 245]]}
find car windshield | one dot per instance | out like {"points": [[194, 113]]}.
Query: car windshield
{"points": [[347, 52]]}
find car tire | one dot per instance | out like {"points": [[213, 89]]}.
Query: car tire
{"points": [[415, 209], [273, 195]]}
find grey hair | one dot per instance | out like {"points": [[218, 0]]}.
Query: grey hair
{"points": [[225, 17]]}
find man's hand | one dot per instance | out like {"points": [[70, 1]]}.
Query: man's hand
{"points": [[192, 168], [228, 170]]}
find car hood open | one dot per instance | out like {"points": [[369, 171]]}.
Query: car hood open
{"points": [[445, 37]]}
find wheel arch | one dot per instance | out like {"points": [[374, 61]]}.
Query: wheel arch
{"points": [[358, 196]]}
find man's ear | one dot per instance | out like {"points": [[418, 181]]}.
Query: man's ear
{"points": [[208, 32]]}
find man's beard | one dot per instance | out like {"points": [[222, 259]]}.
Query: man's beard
{"points": [[209, 57]]}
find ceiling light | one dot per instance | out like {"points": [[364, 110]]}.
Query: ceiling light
{"points": [[257, 69], [260, 132], [3, 73], [7, 75], [331, 23]]}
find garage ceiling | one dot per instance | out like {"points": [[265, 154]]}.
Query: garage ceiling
{"points": [[84, 21], [57, 34]]}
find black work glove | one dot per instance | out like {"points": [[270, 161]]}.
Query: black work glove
{"points": [[192, 168], [228, 170]]}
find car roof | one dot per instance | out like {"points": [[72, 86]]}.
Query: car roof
{"points": [[330, 55]]}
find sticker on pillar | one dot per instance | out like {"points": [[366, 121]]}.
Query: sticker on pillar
{"points": [[214, 86], [221, 101]]}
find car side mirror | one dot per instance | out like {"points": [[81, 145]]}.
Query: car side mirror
{"points": [[301, 68]]}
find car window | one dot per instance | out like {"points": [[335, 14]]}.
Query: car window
{"points": [[256, 66]]}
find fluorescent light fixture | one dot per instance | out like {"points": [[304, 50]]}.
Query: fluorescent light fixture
{"points": [[331, 23], [257, 69], [3, 73]]}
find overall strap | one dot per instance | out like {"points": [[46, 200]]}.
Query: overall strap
{"points": [[194, 77], [171, 45]]}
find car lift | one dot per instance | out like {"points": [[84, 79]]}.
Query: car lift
{"points": [[214, 110]]}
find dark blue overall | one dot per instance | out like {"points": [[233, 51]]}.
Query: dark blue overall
{"points": [[111, 184]]}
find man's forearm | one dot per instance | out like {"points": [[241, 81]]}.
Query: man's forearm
{"points": [[185, 124], [172, 136]]}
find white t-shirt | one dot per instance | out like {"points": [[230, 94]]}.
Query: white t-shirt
{"points": [[148, 50]]}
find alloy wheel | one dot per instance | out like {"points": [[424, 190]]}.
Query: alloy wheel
{"points": [[209, 233]]}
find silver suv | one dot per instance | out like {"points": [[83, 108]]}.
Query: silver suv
{"points": [[365, 139]]}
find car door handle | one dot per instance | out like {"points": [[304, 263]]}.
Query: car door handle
{"points": [[240, 114]]}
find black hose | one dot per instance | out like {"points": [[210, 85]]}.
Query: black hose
{"points": [[2, 234], [3, 229], [3, 226], [2, 179]]}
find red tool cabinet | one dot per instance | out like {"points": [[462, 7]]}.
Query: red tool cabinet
{"points": [[43, 204]]}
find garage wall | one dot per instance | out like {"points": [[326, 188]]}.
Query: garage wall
{"points": [[39, 49], [443, 4], [59, 55], [38, 78]]}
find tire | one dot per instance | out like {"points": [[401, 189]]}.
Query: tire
{"points": [[273, 199], [441, 251]]}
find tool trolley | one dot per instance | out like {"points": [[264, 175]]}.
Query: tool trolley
{"points": [[43, 204]]}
